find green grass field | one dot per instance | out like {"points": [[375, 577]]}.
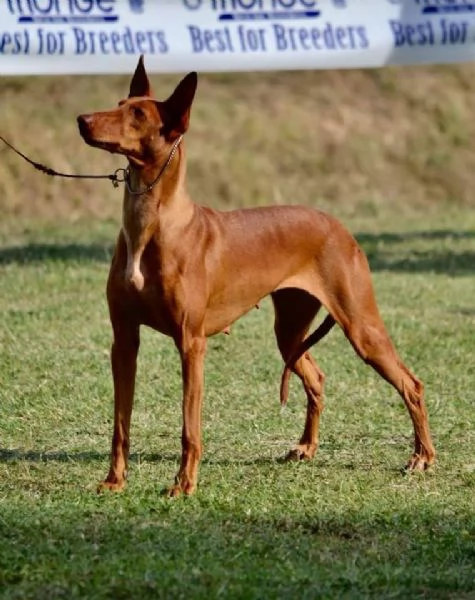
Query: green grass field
{"points": [[347, 525], [391, 153]]}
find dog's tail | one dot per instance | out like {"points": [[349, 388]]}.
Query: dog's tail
{"points": [[319, 333]]}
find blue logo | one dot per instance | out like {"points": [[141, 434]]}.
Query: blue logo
{"points": [[436, 7], [255, 10], [64, 11]]}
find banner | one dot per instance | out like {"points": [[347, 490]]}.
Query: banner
{"points": [[105, 36]]}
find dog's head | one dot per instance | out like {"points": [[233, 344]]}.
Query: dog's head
{"points": [[141, 128]]}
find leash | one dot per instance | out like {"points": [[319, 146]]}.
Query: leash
{"points": [[118, 176], [113, 177]]}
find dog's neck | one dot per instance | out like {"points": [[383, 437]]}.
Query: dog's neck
{"points": [[165, 205]]}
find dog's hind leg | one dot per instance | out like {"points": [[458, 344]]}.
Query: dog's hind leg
{"points": [[372, 343], [294, 313], [353, 305]]}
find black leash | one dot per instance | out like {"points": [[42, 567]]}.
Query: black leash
{"points": [[119, 175]]}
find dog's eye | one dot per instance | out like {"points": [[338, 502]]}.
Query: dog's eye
{"points": [[138, 112]]}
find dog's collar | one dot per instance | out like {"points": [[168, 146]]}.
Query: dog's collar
{"points": [[126, 172]]}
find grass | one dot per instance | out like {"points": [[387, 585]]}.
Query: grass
{"points": [[347, 525]]}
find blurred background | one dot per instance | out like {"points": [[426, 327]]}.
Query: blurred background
{"points": [[362, 144]]}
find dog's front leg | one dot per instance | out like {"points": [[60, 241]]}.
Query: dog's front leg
{"points": [[192, 351], [124, 364]]}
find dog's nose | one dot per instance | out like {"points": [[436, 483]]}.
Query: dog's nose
{"points": [[84, 122]]}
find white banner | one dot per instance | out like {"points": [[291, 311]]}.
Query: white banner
{"points": [[105, 36]]}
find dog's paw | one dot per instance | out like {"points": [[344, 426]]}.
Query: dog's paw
{"points": [[186, 488], [301, 452], [419, 463], [172, 492], [109, 486]]}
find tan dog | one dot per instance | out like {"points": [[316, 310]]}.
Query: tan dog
{"points": [[189, 272]]}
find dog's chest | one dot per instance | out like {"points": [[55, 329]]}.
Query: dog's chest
{"points": [[153, 303], [149, 306]]}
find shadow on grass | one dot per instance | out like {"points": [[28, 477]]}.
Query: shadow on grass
{"points": [[436, 234], [396, 252], [140, 458], [196, 549], [399, 252], [37, 456], [34, 253]]}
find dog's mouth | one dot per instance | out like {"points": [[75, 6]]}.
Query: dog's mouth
{"points": [[85, 124], [86, 130]]}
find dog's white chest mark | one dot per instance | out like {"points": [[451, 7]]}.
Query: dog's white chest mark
{"points": [[133, 274]]}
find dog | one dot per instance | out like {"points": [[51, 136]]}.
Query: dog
{"points": [[189, 272]]}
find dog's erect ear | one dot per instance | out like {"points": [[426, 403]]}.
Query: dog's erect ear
{"points": [[178, 106], [140, 85]]}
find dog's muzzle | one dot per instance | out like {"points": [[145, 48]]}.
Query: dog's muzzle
{"points": [[85, 123]]}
